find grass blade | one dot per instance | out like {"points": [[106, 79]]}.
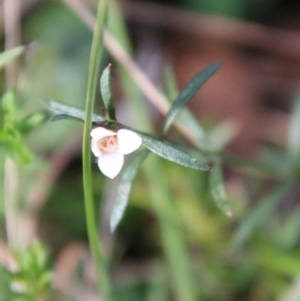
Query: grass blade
{"points": [[124, 188], [259, 214], [188, 92], [9, 55], [185, 116], [103, 279], [106, 94], [217, 188], [65, 111], [170, 153]]}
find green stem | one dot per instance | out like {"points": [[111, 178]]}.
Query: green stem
{"points": [[95, 243]]}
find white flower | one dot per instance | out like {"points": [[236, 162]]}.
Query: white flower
{"points": [[109, 147]]}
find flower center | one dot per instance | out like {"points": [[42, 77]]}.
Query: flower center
{"points": [[108, 144]]}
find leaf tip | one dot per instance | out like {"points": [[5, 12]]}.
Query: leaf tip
{"points": [[114, 223], [112, 227], [43, 102], [53, 118], [216, 66]]}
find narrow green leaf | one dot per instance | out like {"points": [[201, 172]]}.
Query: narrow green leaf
{"points": [[217, 188], [106, 94], [259, 214], [294, 137], [188, 92], [261, 168], [32, 121], [170, 82], [125, 188], [9, 55], [287, 237], [185, 115], [19, 151], [68, 112], [65, 116], [170, 153], [8, 107], [10, 115]]}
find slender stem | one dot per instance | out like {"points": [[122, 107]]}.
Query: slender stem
{"points": [[95, 244], [12, 38], [11, 171], [11, 184]]}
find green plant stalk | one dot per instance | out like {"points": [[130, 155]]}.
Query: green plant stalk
{"points": [[94, 241], [2, 173], [173, 243]]}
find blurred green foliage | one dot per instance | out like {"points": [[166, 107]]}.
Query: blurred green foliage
{"points": [[255, 256], [30, 279]]}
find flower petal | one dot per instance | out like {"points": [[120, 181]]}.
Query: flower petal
{"points": [[129, 141], [110, 163], [95, 148], [101, 132]]}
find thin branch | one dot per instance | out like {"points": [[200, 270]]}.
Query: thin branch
{"points": [[11, 185], [11, 172], [12, 38]]}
